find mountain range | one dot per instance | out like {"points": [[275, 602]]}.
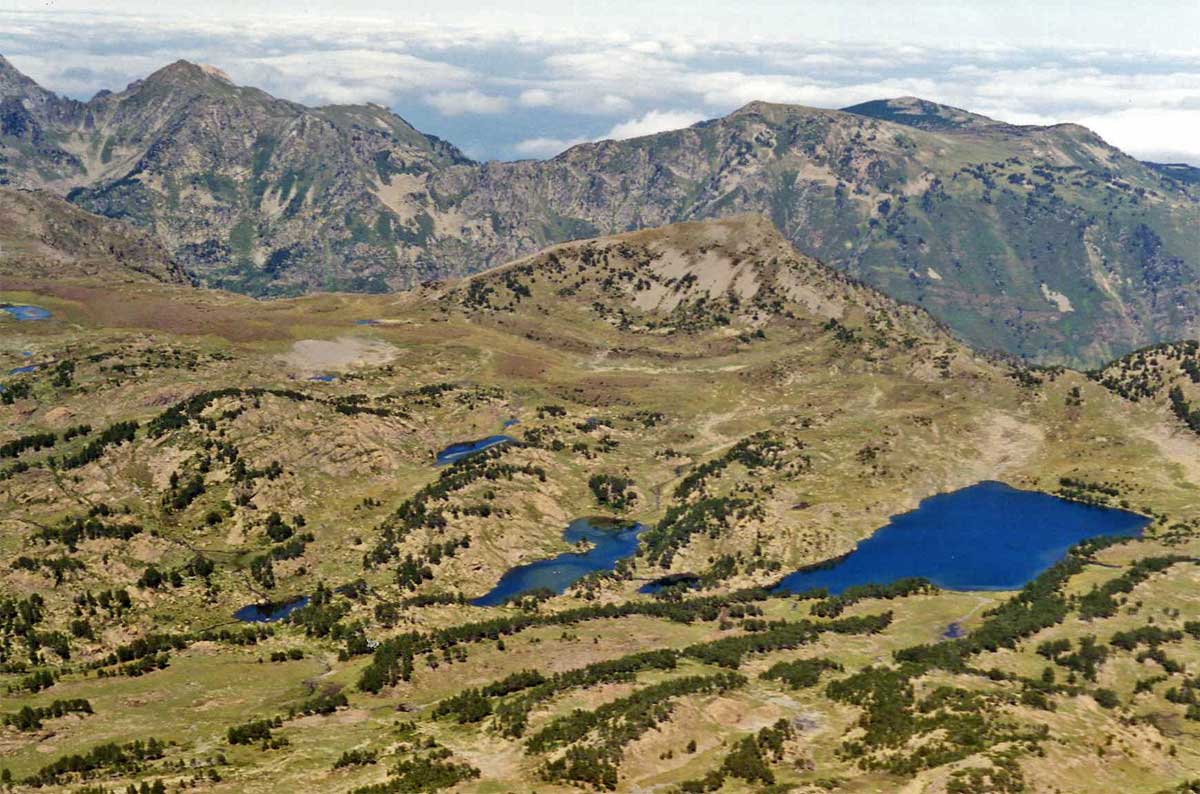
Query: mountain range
{"points": [[1043, 242]]}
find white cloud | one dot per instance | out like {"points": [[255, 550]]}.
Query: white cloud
{"points": [[648, 47], [734, 89], [683, 49], [456, 103], [613, 104], [637, 73], [545, 147], [654, 121], [313, 77], [535, 98], [1115, 24], [555, 82], [347, 76], [1153, 134], [1055, 86], [650, 123], [363, 65]]}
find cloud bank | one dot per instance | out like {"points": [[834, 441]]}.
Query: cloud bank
{"points": [[501, 93]]}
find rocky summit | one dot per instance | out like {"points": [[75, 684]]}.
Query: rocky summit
{"points": [[1043, 242]]}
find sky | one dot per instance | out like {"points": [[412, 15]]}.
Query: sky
{"points": [[507, 80]]}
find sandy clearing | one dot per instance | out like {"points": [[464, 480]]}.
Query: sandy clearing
{"points": [[1060, 301], [1005, 443], [311, 355]]}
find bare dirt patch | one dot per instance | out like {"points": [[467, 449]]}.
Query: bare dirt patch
{"points": [[1178, 447], [312, 355]]}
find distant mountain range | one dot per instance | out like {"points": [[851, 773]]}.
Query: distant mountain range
{"points": [[1044, 242]]}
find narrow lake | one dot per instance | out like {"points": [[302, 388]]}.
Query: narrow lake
{"points": [[988, 536], [611, 541], [464, 449], [269, 613]]}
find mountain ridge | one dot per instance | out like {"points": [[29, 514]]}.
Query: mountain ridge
{"points": [[984, 223], [44, 238], [734, 274], [921, 113]]}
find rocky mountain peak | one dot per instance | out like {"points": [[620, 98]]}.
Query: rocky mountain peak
{"points": [[15, 83], [266, 196], [27, 107], [750, 108], [185, 74], [772, 109]]}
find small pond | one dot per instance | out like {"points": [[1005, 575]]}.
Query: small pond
{"points": [[687, 580], [954, 631], [23, 370], [463, 449], [27, 312], [610, 541], [269, 612], [988, 536]]}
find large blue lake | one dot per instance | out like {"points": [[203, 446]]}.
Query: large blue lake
{"points": [[988, 536], [611, 541]]}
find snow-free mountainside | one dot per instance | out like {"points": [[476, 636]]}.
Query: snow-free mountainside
{"points": [[1045, 242]]}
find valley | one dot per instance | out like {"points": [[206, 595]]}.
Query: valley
{"points": [[181, 454]]}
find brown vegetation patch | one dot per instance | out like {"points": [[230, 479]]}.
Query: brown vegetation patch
{"points": [[511, 365], [105, 307], [607, 390]]}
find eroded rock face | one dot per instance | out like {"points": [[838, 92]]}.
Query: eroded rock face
{"points": [[973, 218]]}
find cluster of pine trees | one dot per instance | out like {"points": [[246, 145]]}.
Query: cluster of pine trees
{"points": [[111, 757], [29, 718], [393, 658], [614, 725]]}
